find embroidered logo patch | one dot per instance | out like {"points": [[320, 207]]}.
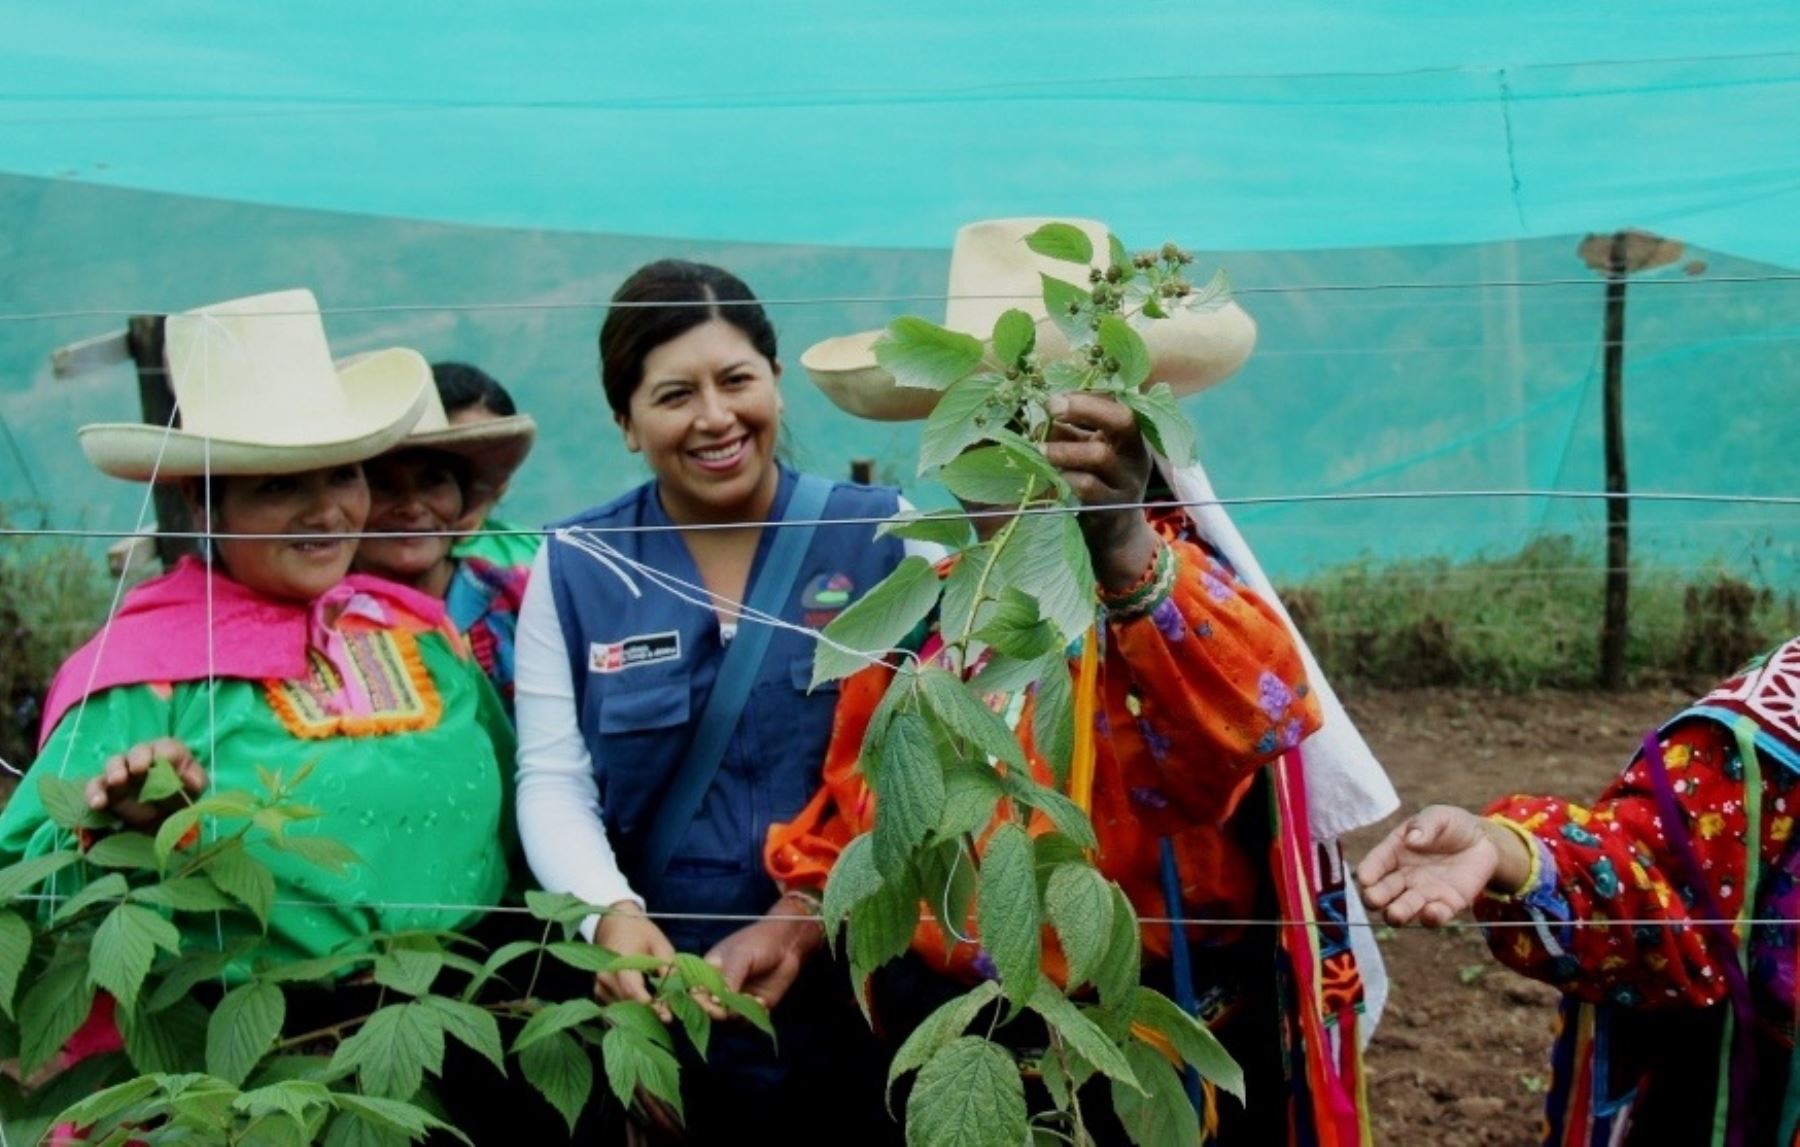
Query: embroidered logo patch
{"points": [[825, 597], [634, 652]]}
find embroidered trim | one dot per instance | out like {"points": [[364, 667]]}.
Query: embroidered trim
{"points": [[390, 668]]}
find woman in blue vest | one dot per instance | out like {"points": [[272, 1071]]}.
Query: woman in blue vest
{"points": [[659, 739]]}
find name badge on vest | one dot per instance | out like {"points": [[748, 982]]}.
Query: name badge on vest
{"points": [[634, 652]]}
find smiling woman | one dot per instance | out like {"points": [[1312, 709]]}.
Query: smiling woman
{"points": [[658, 742]]}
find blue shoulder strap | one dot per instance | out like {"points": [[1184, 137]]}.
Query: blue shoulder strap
{"points": [[737, 673]]}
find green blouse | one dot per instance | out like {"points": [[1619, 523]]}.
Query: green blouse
{"points": [[420, 789], [492, 541]]}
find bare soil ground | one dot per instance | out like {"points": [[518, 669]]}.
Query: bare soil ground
{"points": [[1462, 1056]]}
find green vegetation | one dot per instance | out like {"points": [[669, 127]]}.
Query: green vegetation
{"points": [[1528, 620]]}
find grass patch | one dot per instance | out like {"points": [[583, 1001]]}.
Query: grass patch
{"points": [[1528, 620]]}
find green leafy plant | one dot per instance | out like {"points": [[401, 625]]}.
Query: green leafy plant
{"points": [[944, 767], [101, 915]]}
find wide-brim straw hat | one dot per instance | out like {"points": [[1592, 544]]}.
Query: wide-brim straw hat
{"points": [[493, 448], [256, 392], [993, 271]]}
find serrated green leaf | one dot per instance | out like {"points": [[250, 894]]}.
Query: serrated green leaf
{"points": [[559, 1068], [641, 1019], [693, 1019], [967, 1095], [1126, 347], [1015, 334], [125, 946], [347, 1129], [243, 1028], [296, 1098], [1015, 629], [1056, 1079], [1213, 295], [1192, 1040], [108, 1104], [112, 886], [393, 1050], [191, 968], [947, 881], [555, 1018], [170, 833], [124, 850], [1162, 423], [15, 950], [749, 1010], [919, 353], [1117, 255], [882, 926], [876, 622], [961, 612], [994, 476], [51, 1010], [244, 879], [1061, 376], [171, 1039], [227, 804], [160, 782], [334, 856], [560, 907], [947, 528], [1159, 1115], [1007, 910], [963, 417], [394, 1115], [1062, 241], [408, 972], [186, 894], [965, 716], [909, 791], [19, 878], [471, 1026], [971, 793], [1083, 1036], [320, 968], [632, 1062], [65, 802], [1079, 904], [1116, 976], [697, 973], [591, 958], [1070, 307], [1063, 812], [937, 1030], [1047, 557], [499, 958], [1053, 718], [1003, 674], [854, 878]]}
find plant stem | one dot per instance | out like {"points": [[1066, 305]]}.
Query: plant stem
{"points": [[336, 1031], [543, 946]]}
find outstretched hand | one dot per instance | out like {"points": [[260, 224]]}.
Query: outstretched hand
{"points": [[1436, 863]]}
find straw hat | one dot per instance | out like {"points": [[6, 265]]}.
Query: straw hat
{"points": [[257, 393], [993, 271], [492, 447]]}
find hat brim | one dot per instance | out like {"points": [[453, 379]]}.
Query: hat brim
{"points": [[1191, 352], [386, 392], [493, 448]]}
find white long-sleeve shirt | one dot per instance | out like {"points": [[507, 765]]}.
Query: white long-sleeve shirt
{"points": [[558, 795]]}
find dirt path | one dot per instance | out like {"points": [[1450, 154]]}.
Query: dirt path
{"points": [[1462, 1056]]}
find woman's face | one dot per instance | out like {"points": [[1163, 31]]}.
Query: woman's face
{"points": [[410, 491], [333, 501], [705, 417]]}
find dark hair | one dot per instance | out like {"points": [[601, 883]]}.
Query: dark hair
{"points": [[461, 386], [630, 333]]}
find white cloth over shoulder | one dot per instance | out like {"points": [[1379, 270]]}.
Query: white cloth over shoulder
{"points": [[1346, 787]]}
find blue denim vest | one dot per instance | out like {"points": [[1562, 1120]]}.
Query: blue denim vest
{"points": [[643, 668]]}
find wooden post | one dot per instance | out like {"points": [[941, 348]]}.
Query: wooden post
{"points": [[144, 340], [862, 471], [1615, 628]]}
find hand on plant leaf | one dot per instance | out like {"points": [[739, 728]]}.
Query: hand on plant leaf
{"points": [[120, 785], [1433, 865], [627, 931], [1095, 442], [762, 960]]}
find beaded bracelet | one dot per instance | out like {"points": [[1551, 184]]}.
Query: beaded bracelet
{"points": [[813, 905], [1150, 591], [1533, 874]]}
